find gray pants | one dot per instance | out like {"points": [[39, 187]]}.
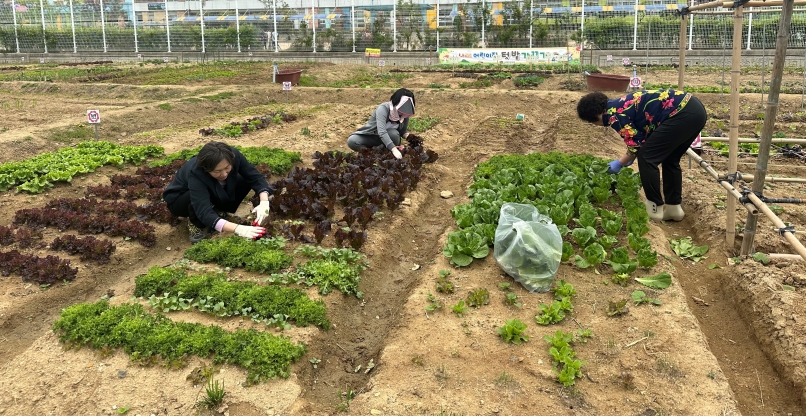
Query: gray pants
{"points": [[357, 142]]}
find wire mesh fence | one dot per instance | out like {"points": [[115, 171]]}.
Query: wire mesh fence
{"points": [[248, 25]]}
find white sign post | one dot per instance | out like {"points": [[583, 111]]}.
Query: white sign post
{"points": [[625, 61], [381, 63], [286, 88], [635, 82], [94, 118]]}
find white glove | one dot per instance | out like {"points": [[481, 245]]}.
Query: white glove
{"points": [[249, 232], [261, 211], [397, 153]]}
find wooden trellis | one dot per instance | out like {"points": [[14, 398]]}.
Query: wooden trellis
{"points": [[751, 199]]}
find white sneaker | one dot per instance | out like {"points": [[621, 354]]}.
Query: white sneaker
{"points": [[655, 212], [673, 212]]}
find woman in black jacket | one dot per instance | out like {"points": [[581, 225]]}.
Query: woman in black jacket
{"points": [[213, 184]]}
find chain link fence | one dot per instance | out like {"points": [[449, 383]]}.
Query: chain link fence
{"points": [[240, 26]]}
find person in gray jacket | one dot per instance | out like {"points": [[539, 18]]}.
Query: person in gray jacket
{"points": [[387, 125]]}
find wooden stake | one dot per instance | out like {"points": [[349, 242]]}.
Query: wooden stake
{"points": [[682, 59], [790, 237], [733, 148], [769, 119], [709, 5]]}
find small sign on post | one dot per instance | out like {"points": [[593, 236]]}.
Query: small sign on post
{"points": [[286, 88], [165, 59], [610, 57], [41, 60], [381, 63], [625, 61], [94, 118], [139, 56], [635, 82], [428, 61]]}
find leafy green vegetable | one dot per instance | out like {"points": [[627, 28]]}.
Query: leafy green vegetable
{"points": [[617, 308], [637, 243], [584, 236], [587, 216], [640, 297], [611, 222], [478, 297], [647, 258], [459, 308], [568, 251], [512, 332], [203, 292], [155, 337], [687, 250], [566, 366], [36, 174], [594, 255], [237, 252], [761, 258], [563, 289], [463, 245], [660, 281], [608, 241]]}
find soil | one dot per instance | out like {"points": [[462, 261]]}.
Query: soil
{"points": [[726, 339]]}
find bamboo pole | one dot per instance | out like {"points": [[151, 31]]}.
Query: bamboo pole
{"points": [[725, 184], [784, 256], [769, 119], [772, 3], [789, 236], [733, 148], [749, 178], [716, 12], [709, 5], [682, 60], [753, 163], [751, 140]]}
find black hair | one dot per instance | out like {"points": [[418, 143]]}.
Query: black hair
{"points": [[398, 95], [592, 106], [212, 153]]}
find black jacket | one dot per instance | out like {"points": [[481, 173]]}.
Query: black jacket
{"points": [[205, 191]]}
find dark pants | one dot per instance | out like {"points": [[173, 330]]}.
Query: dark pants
{"points": [[358, 142], [181, 207], [665, 146]]}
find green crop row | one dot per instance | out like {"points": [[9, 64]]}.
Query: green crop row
{"points": [[149, 338], [37, 174], [280, 161]]}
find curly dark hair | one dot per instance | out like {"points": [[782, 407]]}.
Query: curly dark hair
{"points": [[592, 106]]}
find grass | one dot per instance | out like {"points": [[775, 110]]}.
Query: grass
{"points": [[215, 395], [667, 367], [367, 79], [220, 96], [422, 123], [72, 133], [164, 106]]}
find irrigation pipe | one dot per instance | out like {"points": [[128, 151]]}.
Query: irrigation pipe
{"points": [[789, 236], [725, 184]]}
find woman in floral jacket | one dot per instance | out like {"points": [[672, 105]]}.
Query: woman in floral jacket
{"points": [[658, 127]]}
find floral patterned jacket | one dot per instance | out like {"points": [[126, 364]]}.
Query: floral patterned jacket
{"points": [[635, 116]]}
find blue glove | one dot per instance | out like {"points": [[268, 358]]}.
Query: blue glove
{"points": [[614, 167]]}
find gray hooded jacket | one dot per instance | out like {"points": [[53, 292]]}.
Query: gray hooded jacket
{"points": [[377, 126]]}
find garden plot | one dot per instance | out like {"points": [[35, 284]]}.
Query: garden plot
{"points": [[653, 359]]}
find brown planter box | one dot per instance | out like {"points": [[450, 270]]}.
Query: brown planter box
{"points": [[607, 82], [287, 75]]}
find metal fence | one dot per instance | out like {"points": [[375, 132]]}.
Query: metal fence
{"points": [[223, 25]]}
